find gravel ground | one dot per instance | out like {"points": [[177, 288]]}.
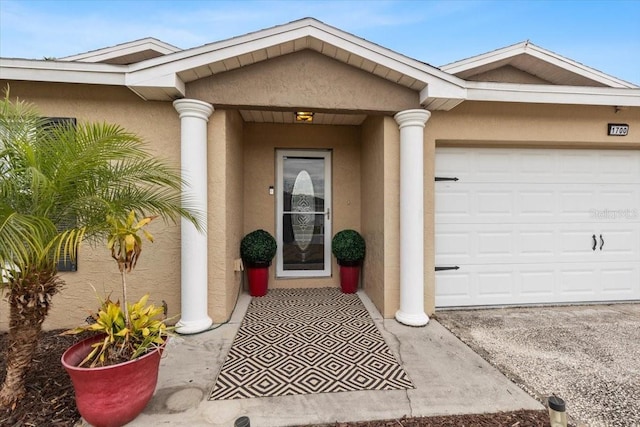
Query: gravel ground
{"points": [[587, 355]]}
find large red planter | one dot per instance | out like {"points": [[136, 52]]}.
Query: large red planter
{"points": [[258, 281], [349, 276], [111, 396]]}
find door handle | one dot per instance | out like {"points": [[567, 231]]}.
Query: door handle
{"points": [[328, 213], [601, 242], [595, 243]]}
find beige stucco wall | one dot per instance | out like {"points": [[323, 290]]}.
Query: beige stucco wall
{"points": [[305, 79], [373, 209], [260, 143], [225, 207], [158, 271], [380, 212], [533, 125]]}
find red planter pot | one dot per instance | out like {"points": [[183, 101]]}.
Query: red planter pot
{"points": [[349, 278], [111, 396], [258, 281]]}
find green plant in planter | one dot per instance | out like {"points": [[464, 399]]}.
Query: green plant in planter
{"points": [[130, 330], [258, 248], [348, 247], [145, 331]]}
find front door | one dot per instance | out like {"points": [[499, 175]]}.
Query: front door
{"points": [[303, 198]]}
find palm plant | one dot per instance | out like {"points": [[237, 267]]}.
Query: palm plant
{"points": [[57, 186]]}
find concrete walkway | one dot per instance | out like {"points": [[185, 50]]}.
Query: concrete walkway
{"points": [[449, 378]]}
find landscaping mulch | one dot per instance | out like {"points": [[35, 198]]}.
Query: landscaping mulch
{"points": [[50, 398]]}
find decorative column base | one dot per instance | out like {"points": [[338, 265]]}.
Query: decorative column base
{"points": [[193, 326], [412, 319]]}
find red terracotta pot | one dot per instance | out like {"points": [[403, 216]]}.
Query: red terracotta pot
{"points": [[349, 276], [258, 281], [111, 396]]}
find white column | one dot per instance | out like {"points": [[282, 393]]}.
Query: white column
{"points": [[194, 116], [411, 123]]}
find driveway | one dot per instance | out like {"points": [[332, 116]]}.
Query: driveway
{"points": [[587, 355]]}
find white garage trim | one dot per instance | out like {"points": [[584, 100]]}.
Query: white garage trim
{"points": [[532, 226]]}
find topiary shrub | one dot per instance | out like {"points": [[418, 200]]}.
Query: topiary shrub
{"points": [[348, 247], [258, 248]]}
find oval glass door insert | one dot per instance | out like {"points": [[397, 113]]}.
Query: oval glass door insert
{"points": [[302, 208]]}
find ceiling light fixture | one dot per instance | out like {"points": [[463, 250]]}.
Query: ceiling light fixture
{"points": [[304, 116]]}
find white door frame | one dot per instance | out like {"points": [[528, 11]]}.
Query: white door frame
{"points": [[320, 154]]}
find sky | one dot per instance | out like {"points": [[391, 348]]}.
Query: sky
{"points": [[604, 35]]}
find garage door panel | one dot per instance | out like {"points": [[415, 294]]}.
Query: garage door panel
{"points": [[614, 167], [537, 284], [621, 280], [576, 202], [576, 243], [521, 224], [495, 203], [618, 242], [535, 203], [617, 199]]}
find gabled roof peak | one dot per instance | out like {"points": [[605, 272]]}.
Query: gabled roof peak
{"points": [[535, 60], [126, 53]]}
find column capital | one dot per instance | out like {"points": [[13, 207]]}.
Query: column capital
{"points": [[193, 108], [415, 117]]}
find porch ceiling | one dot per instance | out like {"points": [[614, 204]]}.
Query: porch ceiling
{"points": [[258, 116]]}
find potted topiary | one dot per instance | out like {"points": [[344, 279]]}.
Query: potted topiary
{"points": [[349, 248], [257, 249], [114, 372]]}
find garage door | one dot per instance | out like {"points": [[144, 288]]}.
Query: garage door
{"points": [[528, 226]]}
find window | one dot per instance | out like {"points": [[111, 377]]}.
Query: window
{"points": [[64, 263]]}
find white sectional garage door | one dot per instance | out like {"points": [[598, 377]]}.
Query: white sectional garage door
{"points": [[529, 226]]}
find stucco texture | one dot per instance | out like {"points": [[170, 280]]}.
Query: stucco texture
{"points": [[305, 79]]}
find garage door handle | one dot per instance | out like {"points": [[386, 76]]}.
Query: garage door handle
{"points": [[595, 243], [601, 242]]}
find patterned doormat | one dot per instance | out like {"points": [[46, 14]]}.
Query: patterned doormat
{"points": [[304, 341]]}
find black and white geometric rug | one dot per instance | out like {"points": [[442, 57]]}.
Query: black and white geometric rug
{"points": [[304, 341]]}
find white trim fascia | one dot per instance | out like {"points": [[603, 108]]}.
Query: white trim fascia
{"points": [[546, 94], [62, 72], [576, 67], [541, 54], [484, 59], [123, 49]]}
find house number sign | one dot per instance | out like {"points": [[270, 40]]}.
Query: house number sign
{"points": [[618, 129]]}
